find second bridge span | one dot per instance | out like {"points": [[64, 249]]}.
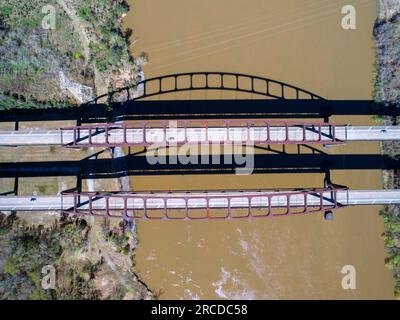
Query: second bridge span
{"points": [[197, 131], [200, 205]]}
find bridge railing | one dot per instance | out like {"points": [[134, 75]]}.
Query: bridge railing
{"points": [[203, 206], [240, 131]]}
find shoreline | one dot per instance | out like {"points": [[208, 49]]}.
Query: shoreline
{"points": [[387, 22], [95, 35], [100, 88]]}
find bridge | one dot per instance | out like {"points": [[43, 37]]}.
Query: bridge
{"points": [[117, 128], [147, 133], [200, 205]]}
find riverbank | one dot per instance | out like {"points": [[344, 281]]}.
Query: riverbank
{"points": [[387, 90], [85, 55], [82, 39]]}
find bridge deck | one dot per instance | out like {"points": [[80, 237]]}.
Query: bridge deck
{"points": [[295, 134], [196, 200]]}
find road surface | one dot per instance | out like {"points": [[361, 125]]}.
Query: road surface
{"points": [[197, 200], [153, 135]]}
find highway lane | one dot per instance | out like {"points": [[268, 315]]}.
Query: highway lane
{"points": [[218, 135]]}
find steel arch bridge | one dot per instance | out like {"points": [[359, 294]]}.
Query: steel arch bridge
{"points": [[185, 205], [326, 199]]}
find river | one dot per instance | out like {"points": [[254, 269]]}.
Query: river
{"points": [[301, 43]]}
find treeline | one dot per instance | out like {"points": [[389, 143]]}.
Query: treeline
{"points": [[387, 90], [20, 102], [391, 236]]}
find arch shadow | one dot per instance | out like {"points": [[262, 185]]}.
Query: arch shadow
{"points": [[192, 81]]}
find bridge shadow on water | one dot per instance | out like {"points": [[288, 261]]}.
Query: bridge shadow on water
{"points": [[138, 165], [277, 100], [202, 109]]}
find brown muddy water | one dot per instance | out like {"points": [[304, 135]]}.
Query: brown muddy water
{"points": [[299, 42]]}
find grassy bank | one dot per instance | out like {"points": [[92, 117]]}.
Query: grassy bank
{"points": [[68, 247], [387, 90], [87, 44], [25, 250], [31, 56]]}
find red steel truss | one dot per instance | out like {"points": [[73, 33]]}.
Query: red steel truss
{"points": [[121, 135], [203, 205]]}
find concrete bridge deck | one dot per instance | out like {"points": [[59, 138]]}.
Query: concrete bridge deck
{"points": [[196, 200], [237, 134]]}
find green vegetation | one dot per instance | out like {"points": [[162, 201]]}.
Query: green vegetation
{"points": [[387, 36], [80, 282], [19, 102], [109, 47], [391, 218], [378, 119], [26, 249], [387, 91], [31, 57], [89, 47], [118, 236]]}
